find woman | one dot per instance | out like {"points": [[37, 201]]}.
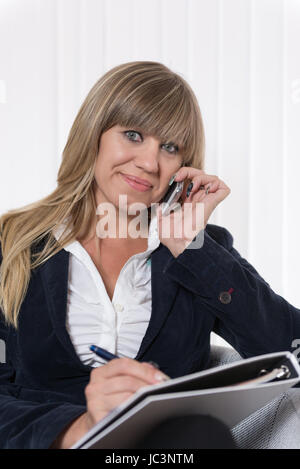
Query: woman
{"points": [[64, 286]]}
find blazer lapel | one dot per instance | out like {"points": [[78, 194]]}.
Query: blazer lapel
{"points": [[55, 279], [164, 291]]}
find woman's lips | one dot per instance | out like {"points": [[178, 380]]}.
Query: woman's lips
{"points": [[135, 185]]}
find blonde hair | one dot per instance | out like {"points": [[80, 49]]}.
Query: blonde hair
{"points": [[140, 94]]}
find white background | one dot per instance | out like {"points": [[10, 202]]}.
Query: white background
{"points": [[242, 59]]}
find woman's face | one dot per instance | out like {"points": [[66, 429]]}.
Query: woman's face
{"points": [[126, 152]]}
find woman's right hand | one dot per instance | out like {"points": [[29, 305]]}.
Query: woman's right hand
{"points": [[109, 386]]}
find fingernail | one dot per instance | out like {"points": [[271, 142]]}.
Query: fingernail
{"points": [[172, 179], [207, 190], [161, 377], [153, 364], [190, 187]]}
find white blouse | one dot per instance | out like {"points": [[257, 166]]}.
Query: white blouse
{"points": [[92, 318]]}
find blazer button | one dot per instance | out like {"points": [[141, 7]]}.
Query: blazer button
{"points": [[225, 297]]}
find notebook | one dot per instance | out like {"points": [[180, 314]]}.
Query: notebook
{"points": [[229, 392]]}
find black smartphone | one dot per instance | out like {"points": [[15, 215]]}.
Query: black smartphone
{"points": [[171, 197]]}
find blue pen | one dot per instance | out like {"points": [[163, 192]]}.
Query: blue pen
{"points": [[103, 353], [110, 356]]}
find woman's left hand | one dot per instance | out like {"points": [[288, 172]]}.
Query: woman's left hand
{"points": [[207, 189]]}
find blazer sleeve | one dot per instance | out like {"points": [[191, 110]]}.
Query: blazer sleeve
{"points": [[29, 418], [253, 319]]}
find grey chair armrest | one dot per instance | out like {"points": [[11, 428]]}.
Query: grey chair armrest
{"points": [[220, 355], [274, 426]]}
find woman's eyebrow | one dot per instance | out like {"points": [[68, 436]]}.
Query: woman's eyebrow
{"points": [[143, 131]]}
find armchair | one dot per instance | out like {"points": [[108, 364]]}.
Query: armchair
{"points": [[274, 426]]}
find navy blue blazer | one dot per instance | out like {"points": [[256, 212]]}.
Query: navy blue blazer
{"points": [[42, 382]]}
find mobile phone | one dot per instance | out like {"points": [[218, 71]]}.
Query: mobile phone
{"points": [[171, 197]]}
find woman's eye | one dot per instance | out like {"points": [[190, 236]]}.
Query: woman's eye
{"points": [[175, 147], [130, 134]]}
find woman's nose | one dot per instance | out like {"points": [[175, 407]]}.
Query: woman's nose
{"points": [[148, 156]]}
